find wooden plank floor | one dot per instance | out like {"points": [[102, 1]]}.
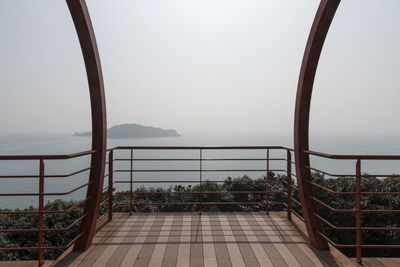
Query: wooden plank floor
{"points": [[211, 239]]}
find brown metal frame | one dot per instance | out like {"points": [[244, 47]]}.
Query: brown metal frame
{"points": [[316, 39], [87, 40]]}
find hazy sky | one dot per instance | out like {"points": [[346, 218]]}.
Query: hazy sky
{"points": [[200, 66]]}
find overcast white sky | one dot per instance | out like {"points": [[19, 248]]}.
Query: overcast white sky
{"points": [[200, 66]]}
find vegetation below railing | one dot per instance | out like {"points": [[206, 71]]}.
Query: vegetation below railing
{"points": [[210, 192], [30, 221]]}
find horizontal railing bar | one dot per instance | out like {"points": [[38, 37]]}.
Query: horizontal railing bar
{"points": [[329, 190], [48, 194], [19, 248], [194, 203], [67, 175], [352, 175], [69, 192], [297, 215], [330, 174], [353, 211], [68, 227], [67, 210], [345, 228], [198, 159], [352, 193], [45, 176], [197, 181], [46, 157], [20, 212], [198, 147], [333, 243], [104, 214], [68, 245], [19, 230], [18, 176], [331, 208], [198, 192], [295, 200], [206, 170], [353, 157], [294, 187], [19, 194], [104, 201], [354, 246]]}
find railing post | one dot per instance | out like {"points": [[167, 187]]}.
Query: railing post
{"points": [[131, 186], [289, 184], [201, 180], [41, 213], [266, 186], [358, 211], [110, 183]]}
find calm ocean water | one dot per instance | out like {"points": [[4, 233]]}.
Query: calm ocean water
{"points": [[65, 144]]}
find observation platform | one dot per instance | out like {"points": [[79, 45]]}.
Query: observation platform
{"points": [[210, 239]]}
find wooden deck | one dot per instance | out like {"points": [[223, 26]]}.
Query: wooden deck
{"points": [[212, 239]]}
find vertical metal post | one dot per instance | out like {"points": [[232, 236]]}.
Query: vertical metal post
{"points": [[41, 213], [201, 180], [110, 183], [131, 185], [266, 186], [289, 183], [358, 211]]}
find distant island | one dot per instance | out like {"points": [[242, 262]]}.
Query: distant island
{"points": [[133, 130]]}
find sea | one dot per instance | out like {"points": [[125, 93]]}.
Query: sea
{"points": [[28, 144]]}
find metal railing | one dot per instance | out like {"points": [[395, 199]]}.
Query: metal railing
{"points": [[358, 194], [41, 176], [129, 176], [130, 166]]}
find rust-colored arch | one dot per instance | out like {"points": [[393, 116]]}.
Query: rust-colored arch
{"points": [[87, 40], [322, 21]]}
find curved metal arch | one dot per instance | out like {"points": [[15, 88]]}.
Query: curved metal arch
{"points": [[319, 30], [87, 40]]}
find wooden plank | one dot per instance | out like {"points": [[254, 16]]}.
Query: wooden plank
{"points": [[265, 242], [258, 250], [221, 250], [245, 249], [279, 243], [389, 261], [130, 239], [210, 258], [171, 252], [97, 248], [333, 257], [233, 248], [161, 244], [372, 262], [196, 246], [184, 243], [136, 246], [146, 251], [113, 243], [292, 245]]}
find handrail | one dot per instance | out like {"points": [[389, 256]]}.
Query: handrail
{"points": [[353, 156], [47, 157]]}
